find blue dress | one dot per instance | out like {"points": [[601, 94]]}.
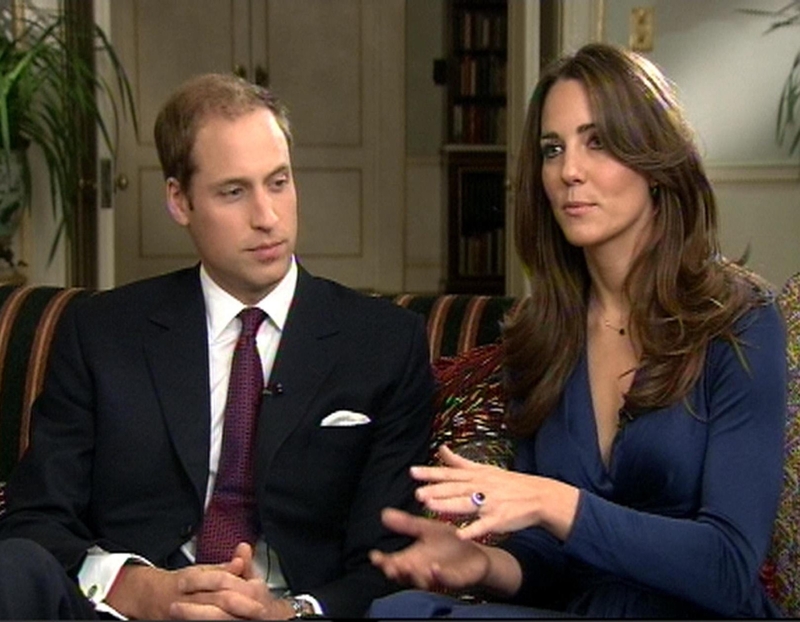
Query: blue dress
{"points": [[679, 523]]}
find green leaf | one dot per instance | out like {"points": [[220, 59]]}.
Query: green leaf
{"points": [[46, 91]]}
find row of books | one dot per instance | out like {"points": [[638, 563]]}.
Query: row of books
{"points": [[481, 76], [477, 30], [483, 254], [478, 124]]}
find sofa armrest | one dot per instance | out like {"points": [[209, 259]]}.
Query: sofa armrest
{"points": [[28, 318]]}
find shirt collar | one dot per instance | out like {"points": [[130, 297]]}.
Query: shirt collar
{"points": [[222, 308]]}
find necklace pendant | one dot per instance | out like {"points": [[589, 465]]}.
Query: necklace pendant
{"points": [[619, 330]]}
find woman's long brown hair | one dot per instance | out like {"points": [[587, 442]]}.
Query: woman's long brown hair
{"points": [[682, 292]]}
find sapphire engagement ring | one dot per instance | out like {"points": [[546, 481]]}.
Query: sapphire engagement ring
{"points": [[478, 499]]}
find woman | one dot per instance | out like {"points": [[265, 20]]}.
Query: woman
{"points": [[645, 375]]}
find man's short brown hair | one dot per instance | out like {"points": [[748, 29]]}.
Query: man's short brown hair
{"points": [[197, 99]]}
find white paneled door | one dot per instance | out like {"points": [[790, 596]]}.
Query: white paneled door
{"points": [[338, 66]]}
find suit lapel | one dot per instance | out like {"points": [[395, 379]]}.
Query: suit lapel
{"points": [[306, 355], [177, 350]]}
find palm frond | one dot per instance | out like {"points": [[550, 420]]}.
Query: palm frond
{"points": [[46, 91], [787, 125]]}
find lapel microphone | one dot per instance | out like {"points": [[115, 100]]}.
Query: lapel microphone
{"points": [[273, 389]]}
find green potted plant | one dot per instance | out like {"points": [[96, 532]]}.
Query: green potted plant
{"points": [[47, 91], [787, 126]]}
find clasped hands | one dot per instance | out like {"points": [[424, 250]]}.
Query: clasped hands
{"points": [[201, 592]]}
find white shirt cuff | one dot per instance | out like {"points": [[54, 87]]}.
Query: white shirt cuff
{"points": [[311, 601], [98, 573]]}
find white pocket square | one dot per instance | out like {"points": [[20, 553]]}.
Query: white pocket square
{"points": [[344, 418]]}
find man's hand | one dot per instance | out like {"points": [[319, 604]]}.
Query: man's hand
{"points": [[241, 563], [228, 590], [220, 595], [143, 592]]}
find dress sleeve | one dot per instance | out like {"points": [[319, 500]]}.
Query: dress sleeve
{"points": [[713, 559], [539, 553], [543, 562]]}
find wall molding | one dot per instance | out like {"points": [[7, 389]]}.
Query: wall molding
{"points": [[423, 161], [753, 172]]}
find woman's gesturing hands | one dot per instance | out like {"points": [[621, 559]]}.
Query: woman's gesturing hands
{"points": [[502, 501], [438, 557]]}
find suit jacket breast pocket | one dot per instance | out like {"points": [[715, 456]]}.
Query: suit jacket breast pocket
{"points": [[339, 438], [341, 448], [334, 465]]}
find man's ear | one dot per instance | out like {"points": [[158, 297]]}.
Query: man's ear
{"points": [[178, 203]]}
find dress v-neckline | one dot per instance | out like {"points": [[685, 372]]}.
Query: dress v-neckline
{"points": [[588, 408]]}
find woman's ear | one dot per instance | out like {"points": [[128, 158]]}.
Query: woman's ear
{"points": [[178, 204]]}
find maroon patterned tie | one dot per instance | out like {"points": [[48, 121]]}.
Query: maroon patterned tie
{"points": [[231, 516]]}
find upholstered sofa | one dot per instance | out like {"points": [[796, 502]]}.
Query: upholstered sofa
{"points": [[463, 332]]}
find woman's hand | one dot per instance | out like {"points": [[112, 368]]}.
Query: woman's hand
{"points": [[438, 558], [503, 501]]}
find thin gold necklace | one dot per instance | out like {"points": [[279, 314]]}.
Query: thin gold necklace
{"points": [[620, 331]]}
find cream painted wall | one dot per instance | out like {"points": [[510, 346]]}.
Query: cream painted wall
{"points": [[425, 220], [729, 76], [729, 80], [38, 232], [423, 226]]}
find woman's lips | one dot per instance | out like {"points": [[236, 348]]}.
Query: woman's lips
{"points": [[578, 208]]}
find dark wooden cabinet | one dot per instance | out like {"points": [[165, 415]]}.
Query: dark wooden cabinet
{"points": [[476, 221], [475, 158]]}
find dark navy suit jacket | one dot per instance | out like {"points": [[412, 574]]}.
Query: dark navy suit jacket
{"points": [[120, 445]]}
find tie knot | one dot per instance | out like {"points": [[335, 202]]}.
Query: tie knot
{"points": [[251, 319]]}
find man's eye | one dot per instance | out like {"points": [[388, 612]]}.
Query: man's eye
{"points": [[279, 183], [232, 192], [550, 150]]}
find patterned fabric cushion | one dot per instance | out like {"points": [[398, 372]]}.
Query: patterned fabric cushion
{"points": [[781, 573], [469, 410], [469, 406]]}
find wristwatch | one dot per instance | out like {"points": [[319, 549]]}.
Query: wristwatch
{"points": [[301, 607]]}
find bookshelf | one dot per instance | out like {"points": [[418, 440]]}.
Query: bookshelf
{"points": [[475, 159], [477, 33], [476, 223]]}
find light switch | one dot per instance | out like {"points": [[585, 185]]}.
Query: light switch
{"points": [[641, 29]]}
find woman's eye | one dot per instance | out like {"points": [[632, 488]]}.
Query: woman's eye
{"points": [[595, 142], [550, 150]]}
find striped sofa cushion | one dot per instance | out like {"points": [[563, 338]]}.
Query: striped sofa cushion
{"points": [[457, 323], [28, 317]]}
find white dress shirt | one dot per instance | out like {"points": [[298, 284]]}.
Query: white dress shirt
{"points": [[100, 568]]}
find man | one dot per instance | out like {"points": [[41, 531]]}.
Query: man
{"points": [[128, 435]]}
